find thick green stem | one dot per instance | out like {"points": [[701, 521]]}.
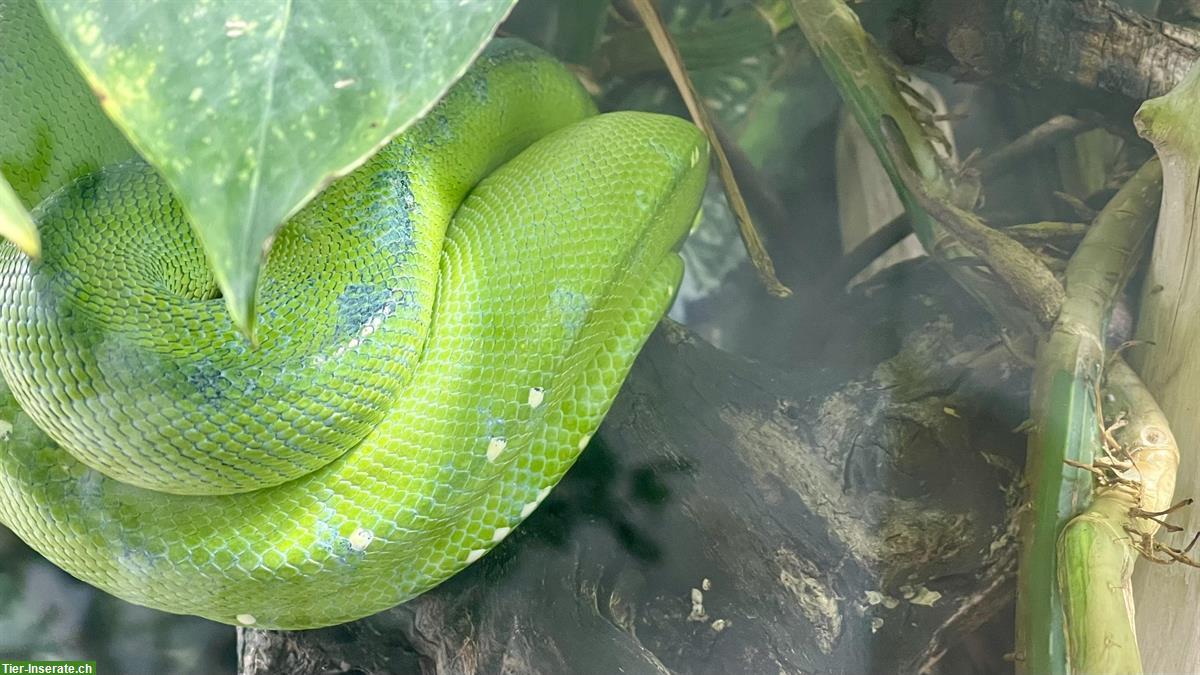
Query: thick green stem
{"points": [[1066, 427], [1096, 553], [1070, 361], [869, 87], [1095, 563]]}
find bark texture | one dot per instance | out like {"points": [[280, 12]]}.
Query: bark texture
{"points": [[1088, 45], [850, 515]]}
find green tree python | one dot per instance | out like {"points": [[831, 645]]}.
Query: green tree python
{"points": [[440, 333]]}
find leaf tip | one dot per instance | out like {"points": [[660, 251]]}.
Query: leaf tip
{"points": [[239, 301], [16, 225], [27, 241]]}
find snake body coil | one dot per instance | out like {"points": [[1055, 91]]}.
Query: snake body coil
{"points": [[440, 333]]}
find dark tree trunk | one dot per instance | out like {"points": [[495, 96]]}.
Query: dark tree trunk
{"points": [[1091, 53], [846, 516]]}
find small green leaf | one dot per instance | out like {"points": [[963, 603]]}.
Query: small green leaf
{"points": [[15, 223], [53, 129], [248, 109]]}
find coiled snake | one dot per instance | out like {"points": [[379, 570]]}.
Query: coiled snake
{"points": [[440, 332]]}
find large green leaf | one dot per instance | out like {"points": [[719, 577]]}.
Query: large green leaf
{"points": [[53, 130], [248, 109]]}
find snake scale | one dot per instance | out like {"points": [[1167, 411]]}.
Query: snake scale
{"points": [[440, 333]]}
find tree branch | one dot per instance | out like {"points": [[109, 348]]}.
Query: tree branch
{"points": [[1093, 45]]}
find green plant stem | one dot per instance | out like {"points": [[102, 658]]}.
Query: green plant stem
{"points": [[1021, 270], [1095, 565], [1065, 423], [1096, 555], [1070, 361], [871, 88]]}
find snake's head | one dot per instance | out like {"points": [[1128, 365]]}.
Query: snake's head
{"points": [[677, 156], [658, 164]]}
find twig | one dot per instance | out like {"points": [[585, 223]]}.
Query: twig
{"points": [[1077, 205], [1046, 232], [1029, 279], [755, 187], [896, 229], [875, 245], [670, 56], [1038, 138]]}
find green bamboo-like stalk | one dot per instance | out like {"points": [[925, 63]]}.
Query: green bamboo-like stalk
{"points": [[1095, 566], [871, 88], [1096, 555], [1065, 422], [1070, 361], [868, 85]]}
